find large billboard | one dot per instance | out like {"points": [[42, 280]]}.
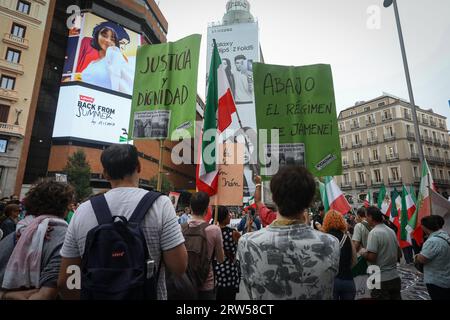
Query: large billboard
{"points": [[238, 47], [97, 81]]}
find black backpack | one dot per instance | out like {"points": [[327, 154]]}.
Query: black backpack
{"points": [[116, 264]]}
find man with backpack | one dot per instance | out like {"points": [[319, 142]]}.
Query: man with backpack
{"points": [[123, 240], [203, 243]]}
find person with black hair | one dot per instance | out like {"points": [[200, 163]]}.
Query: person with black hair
{"points": [[361, 230], [318, 218], [111, 70], [162, 233], [243, 80], [250, 222], [435, 258], [213, 234], [289, 259], [30, 256], [9, 219], [227, 273], [383, 251]]}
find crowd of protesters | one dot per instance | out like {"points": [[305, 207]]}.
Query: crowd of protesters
{"points": [[130, 243]]}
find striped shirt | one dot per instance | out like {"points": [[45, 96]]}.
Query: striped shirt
{"points": [[160, 226]]}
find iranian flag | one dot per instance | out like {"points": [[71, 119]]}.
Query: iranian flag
{"points": [[385, 206], [407, 211], [368, 201], [423, 207], [395, 206], [381, 196], [334, 197], [217, 117], [323, 195]]}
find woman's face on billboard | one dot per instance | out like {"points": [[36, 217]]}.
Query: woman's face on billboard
{"points": [[106, 39]]}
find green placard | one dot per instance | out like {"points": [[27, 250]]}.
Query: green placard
{"points": [[300, 103], [165, 90]]}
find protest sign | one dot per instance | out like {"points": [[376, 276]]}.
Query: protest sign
{"points": [[231, 175], [300, 103], [165, 90]]}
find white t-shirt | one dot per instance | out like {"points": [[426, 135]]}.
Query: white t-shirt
{"points": [[160, 227]]}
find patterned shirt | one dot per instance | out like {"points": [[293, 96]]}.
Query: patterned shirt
{"points": [[289, 262]]}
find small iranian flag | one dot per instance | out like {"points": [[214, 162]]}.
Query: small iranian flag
{"points": [[423, 206], [381, 196], [368, 200], [407, 211], [323, 196], [385, 206], [218, 116], [334, 197], [393, 211]]}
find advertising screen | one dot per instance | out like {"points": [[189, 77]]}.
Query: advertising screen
{"points": [[238, 46], [97, 83]]}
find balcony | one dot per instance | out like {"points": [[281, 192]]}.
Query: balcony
{"points": [[425, 121], [445, 145], [14, 40], [407, 116], [427, 140], [361, 184], [356, 144], [442, 182], [441, 126], [10, 129], [377, 183], [371, 123], [435, 160], [392, 157], [414, 156], [389, 137], [372, 141], [358, 163], [374, 161], [410, 136], [12, 67], [346, 185], [386, 117], [354, 126], [395, 181], [433, 123], [345, 165], [10, 95], [436, 142]]}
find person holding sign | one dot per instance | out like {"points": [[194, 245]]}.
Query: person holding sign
{"points": [[266, 215]]}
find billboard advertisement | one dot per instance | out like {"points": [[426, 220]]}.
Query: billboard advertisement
{"points": [[90, 114], [238, 47], [97, 81]]}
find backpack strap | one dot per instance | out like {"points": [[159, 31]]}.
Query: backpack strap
{"points": [[143, 206], [101, 209]]}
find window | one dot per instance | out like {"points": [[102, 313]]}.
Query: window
{"points": [[441, 174], [377, 175], [415, 172], [346, 178], [4, 112], [23, 6], [434, 135], [361, 177], [342, 142], [366, 109], [412, 149], [425, 132], [357, 157], [394, 174], [438, 154], [443, 137], [408, 128], [430, 152], [390, 151], [433, 173], [382, 104], [390, 131], [8, 83], [18, 31], [356, 138], [13, 55], [375, 154], [446, 155]]}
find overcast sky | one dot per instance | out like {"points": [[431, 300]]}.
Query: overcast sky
{"points": [[365, 61]]}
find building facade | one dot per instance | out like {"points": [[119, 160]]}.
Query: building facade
{"points": [[42, 155], [23, 25], [379, 147]]}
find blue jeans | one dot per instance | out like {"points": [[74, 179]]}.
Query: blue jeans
{"points": [[344, 289]]}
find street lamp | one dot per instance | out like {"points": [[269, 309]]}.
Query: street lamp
{"points": [[387, 4]]}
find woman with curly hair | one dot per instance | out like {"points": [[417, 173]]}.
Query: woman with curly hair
{"points": [[29, 257], [344, 286]]}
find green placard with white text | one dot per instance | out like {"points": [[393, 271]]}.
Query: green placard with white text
{"points": [[165, 90], [300, 103]]}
